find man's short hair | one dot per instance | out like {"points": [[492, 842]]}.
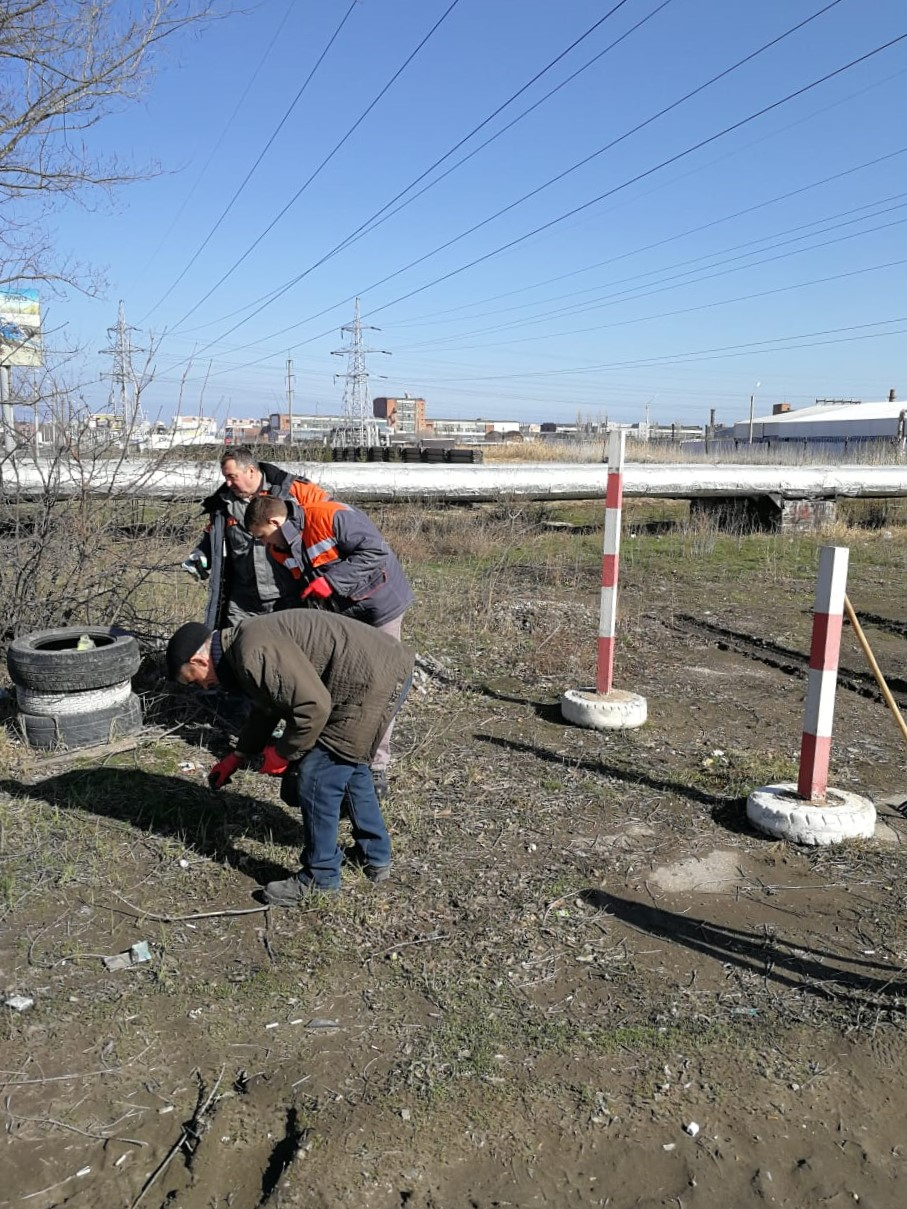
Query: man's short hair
{"points": [[264, 508], [242, 455]]}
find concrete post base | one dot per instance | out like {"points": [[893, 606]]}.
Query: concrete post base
{"points": [[617, 710], [779, 811]]}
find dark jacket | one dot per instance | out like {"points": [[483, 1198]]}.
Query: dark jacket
{"points": [[340, 544], [335, 682], [254, 581]]}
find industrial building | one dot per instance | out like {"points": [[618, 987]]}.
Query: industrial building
{"points": [[829, 421]]}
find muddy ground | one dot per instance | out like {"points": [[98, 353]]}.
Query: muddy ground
{"points": [[589, 982]]}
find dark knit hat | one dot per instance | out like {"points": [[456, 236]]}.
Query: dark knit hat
{"points": [[188, 639]]}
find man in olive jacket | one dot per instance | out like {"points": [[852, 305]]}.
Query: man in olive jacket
{"points": [[336, 684]]}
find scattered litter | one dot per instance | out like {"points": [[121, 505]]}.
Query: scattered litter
{"points": [[320, 1022], [405, 1114], [273, 1024], [121, 1160], [188, 766], [744, 1011], [168, 1108], [298, 1020], [692, 1129], [132, 956], [84, 1170], [20, 1003], [184, 864], [669, 1146]]}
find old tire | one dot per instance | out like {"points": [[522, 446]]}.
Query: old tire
{"points": [[83, 730], [30, 701], [779, 811], [617, 710], [49, 662]]}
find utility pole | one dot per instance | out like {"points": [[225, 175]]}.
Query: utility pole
{"points": [[124, 392], [358, 427], [290, 383], [752, 403]]}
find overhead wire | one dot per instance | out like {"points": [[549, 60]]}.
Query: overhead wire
{"points": [[634, 179], [249, 174], [433, 316], [540, 188], [213, 152], [327, 159], [375, 220], [574, 210], [696, 354], [590, 304]]}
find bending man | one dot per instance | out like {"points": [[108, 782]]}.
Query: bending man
{"points": [[336, 684]]}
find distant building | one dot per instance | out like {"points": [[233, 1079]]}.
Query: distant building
{"points": [[844, 421], [243, 432], [406, 415]]}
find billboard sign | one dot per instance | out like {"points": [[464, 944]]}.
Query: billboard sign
{"points": [[20, 328]]}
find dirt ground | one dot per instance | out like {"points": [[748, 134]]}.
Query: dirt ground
{"points": [[588, 982]]}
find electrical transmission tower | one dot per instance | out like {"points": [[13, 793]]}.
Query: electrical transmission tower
{"points": [[124, 384], [358, 426]]}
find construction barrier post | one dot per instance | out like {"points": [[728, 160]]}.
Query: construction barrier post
{"points": [[605, 707], [810, 812], [610, 561], [825, 651]]}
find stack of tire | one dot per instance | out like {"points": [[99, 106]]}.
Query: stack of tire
{"points": [[74, 686]]}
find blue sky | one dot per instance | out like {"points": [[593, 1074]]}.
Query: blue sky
{"points": [[774, 253]]}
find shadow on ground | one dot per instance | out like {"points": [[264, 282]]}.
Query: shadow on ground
{"points": [[172, 807], [819, 972]]}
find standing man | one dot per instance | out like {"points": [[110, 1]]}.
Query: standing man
{"points": [[253, 583], [336, 684], [339, 562]]}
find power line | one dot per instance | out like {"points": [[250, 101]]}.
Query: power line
{"points": [[327, 159], [433, 316], [584, 206], [702, 354], [623, 295], [687, 310], [560, 176], [370, 224], [633, 180], [213, 152], [277, 129]]}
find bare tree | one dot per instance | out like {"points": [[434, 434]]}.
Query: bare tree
{"points": [[64, 66]]}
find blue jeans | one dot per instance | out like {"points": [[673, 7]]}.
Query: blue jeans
{"points": [[322, 781]]}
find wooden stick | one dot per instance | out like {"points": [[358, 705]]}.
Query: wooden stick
{"points": [[876, 670]]}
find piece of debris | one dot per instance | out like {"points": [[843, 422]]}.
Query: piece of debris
{"points": [[320, 1022], [183, 863], [405, 1114], [692, 1129], [669, 1146], [132, 956], [188, 766], [19, 1003]]}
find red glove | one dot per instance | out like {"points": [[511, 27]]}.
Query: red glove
{"points": [[223, 770], [318, 587], [272, 763]]}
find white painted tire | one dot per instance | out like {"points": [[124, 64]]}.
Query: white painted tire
{"points": [[49, 705], [779, 811], [617, 710]]}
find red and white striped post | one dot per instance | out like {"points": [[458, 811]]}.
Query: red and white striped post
{"points": [[614, 495], [825, 650], [606, 707]]}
